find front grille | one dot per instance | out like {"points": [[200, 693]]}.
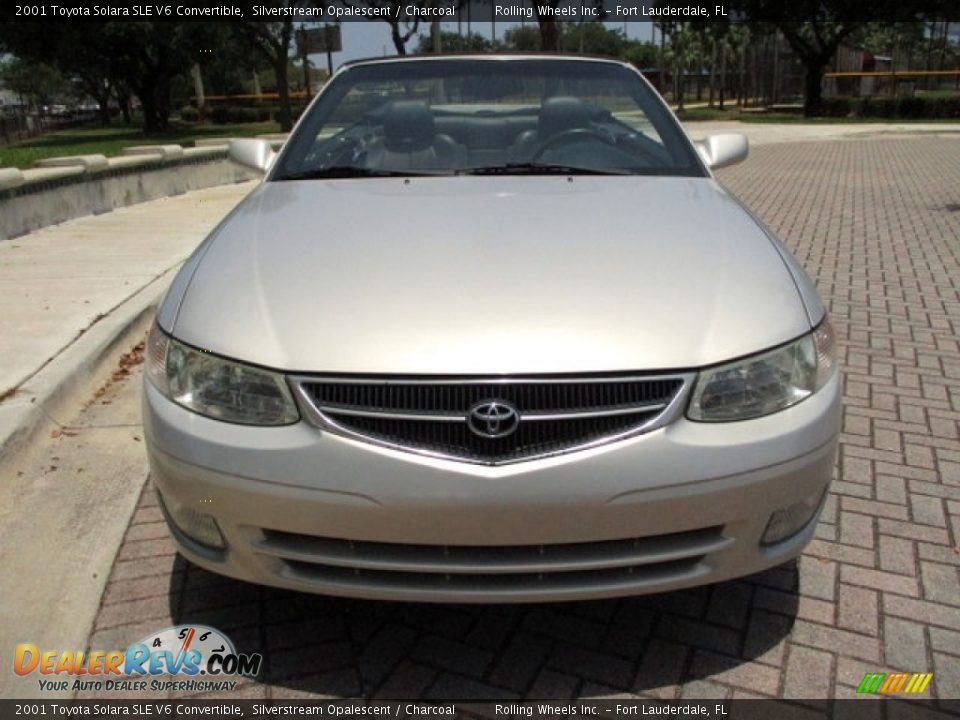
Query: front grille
{"points": [[438, 417], [491, 571]]}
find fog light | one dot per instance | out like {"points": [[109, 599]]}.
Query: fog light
{"points": [[790, 520], [198, 526]]}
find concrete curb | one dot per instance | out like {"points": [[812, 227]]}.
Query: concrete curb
{"points": [[58, 192], [38, 400]]}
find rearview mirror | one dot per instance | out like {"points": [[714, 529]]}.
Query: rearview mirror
{"points": [[723, 149], [253, 153]]}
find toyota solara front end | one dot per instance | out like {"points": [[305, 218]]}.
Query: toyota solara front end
{"points": [[489, 331]]}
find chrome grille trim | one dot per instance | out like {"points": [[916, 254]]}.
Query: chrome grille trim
{"points": [[528, 417], [630, 405], [327, 410]]}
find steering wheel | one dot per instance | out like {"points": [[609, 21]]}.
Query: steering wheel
{"points": [[571, 135]]}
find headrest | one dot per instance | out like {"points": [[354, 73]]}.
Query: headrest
{"points": [[562, 113], [408, 127]]}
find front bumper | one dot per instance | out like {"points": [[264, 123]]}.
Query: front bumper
{"points": [[684, 505]]}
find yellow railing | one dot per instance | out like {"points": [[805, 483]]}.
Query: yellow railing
{"points": [[894, 73]]}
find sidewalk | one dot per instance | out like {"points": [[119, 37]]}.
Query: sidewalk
{"points": [[771, 133], [69, 290]]}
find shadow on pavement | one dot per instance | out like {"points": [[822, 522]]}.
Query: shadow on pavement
{"points": [[323, 646]]}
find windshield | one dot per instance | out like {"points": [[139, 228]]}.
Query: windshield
{"points": [[497, 116]]}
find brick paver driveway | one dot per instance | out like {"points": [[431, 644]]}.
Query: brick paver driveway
{"points": [[877, 223]]}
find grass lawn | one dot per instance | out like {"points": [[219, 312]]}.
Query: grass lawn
{"points": [[705, 113], [111, 139]]}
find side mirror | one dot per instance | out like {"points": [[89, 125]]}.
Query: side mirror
{"points": [[723, 149], [253, 153]]}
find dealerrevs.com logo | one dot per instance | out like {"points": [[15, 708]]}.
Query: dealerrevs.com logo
{"points": [[190, 657]]}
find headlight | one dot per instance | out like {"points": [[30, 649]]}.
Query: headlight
{"points": [[765, 383], [215, 387]]}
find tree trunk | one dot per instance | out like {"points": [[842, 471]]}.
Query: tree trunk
{"points": [[161, 102], [124, 102], [283, 89], [306, 76], [151, 119], [398, 42], [678, 84], [713, 71], [813, 86], [744, 76], [943, 51], [723, 72], [103, 101], [775, 87], [549, 33]]}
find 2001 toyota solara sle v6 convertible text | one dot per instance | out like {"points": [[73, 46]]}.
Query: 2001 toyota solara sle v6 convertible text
{"points": [[489, 331]]}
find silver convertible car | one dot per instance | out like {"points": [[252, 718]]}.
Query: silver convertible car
{"points": [[490, 331]]}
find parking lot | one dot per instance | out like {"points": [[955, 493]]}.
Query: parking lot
{"points": [[876, 222]]}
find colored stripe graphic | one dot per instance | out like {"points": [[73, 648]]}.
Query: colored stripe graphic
{"points": [[894, 683], [871, 682], [922, 685]]}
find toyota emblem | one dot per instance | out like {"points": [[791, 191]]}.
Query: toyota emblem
{"points": [[493, 418]]}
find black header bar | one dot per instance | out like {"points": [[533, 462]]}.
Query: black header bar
{"points": [[479, 11]]}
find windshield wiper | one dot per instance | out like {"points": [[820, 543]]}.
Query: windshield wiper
{"points": [[538, 168], [352, 171]]}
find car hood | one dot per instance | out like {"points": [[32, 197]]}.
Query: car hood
{"points": [[488, 275]]}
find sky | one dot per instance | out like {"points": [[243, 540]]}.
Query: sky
{"points": [[363, 39], [372, 38]]}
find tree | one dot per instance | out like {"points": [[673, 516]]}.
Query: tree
{"points": [[35, 82], [69, 47], [140, 57], [271, 40], [454, 42], [593, 39], [546, 21], [815, 29], [815, 43], [150, 56], [642, 55], [402, 27], [522, 39], [735, 44], [227, 64], [682, 51]]}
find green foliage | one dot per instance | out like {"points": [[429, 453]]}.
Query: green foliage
{"points": [[452, 42], [641, 55], [222, 114], [592, 38], [36, 82], [110, 140], [188, 113], [911, 108], [907, 108], [227, 64], [523, 38], [838, 107], [144, 57], [885, 38]]}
